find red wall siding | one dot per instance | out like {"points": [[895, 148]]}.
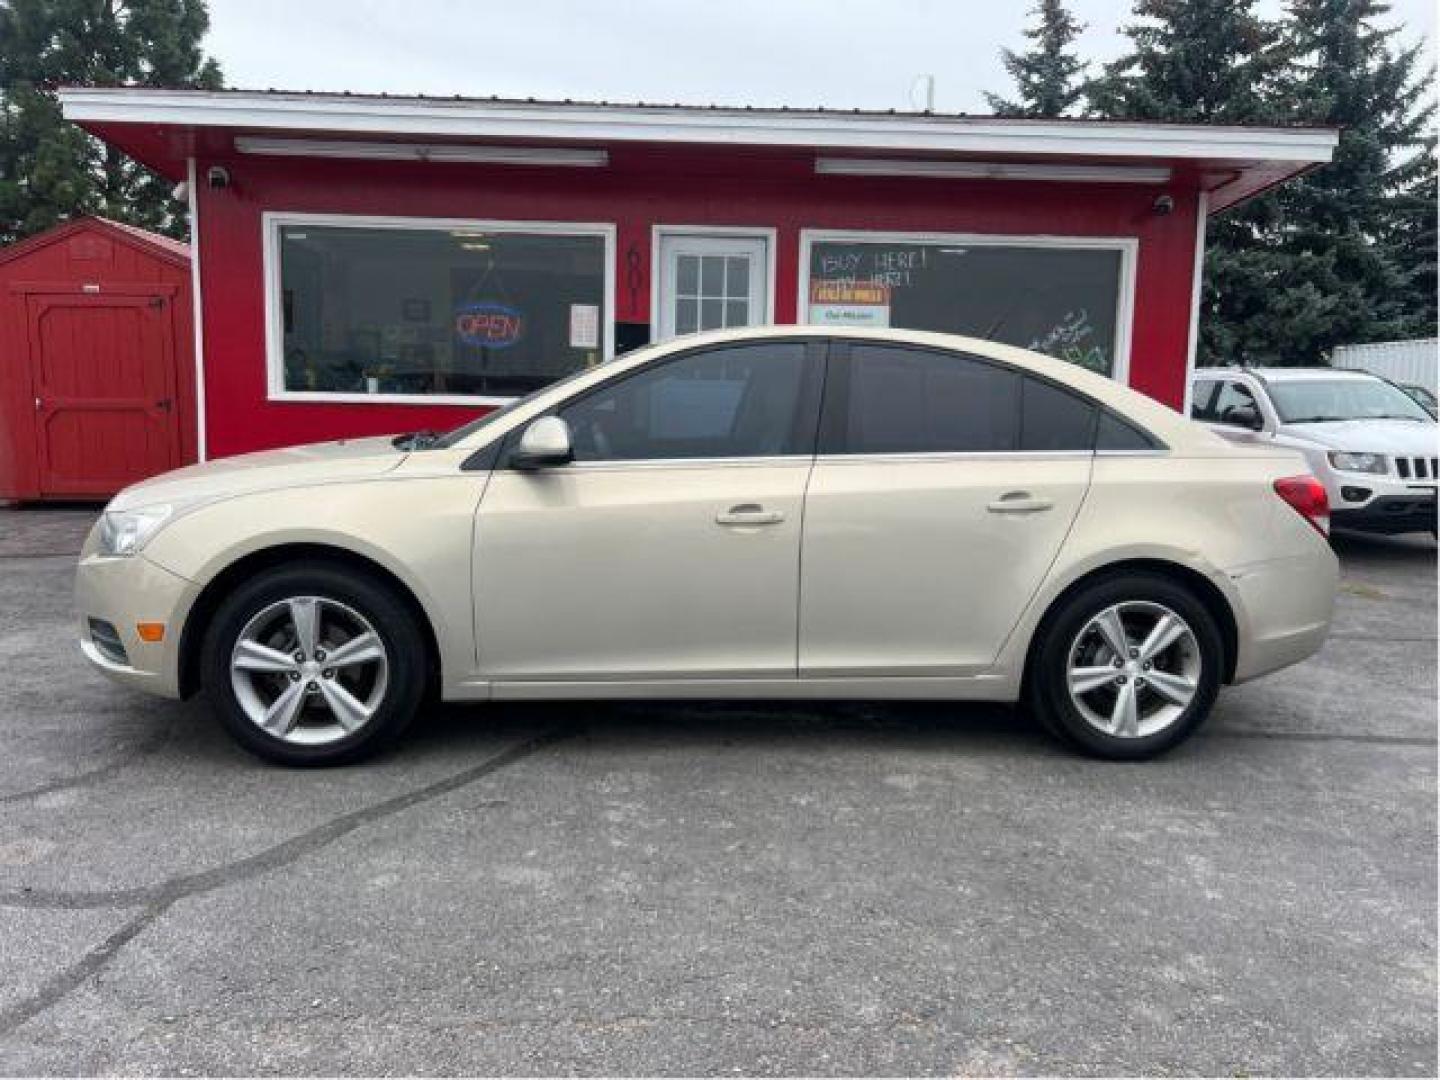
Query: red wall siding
{"points": [[642, 187], [83, 252]]}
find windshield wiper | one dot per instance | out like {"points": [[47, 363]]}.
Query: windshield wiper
{"points": [[416, 440], [1316, 419]]}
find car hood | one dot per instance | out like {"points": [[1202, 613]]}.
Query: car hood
{"points": [[294, 466], [1405, 437]]}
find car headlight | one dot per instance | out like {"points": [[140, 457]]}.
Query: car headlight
{"points": [[124, 532], [1365, 463]]}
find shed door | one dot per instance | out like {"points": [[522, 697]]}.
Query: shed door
{"points": [[103, 375]]}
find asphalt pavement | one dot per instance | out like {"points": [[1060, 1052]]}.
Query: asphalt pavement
{"points": [[704, 889]]}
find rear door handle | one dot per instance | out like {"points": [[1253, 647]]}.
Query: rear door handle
{"points": [[1019, 502], [749, 514]]}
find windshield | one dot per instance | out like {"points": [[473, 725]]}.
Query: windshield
{"points": [[1313, 401]]}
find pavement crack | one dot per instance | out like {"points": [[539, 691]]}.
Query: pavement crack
{"points": [[141, 749], [271, 858], [73, 977], [156, 900]]}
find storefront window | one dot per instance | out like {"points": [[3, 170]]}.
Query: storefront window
{"points": [[467, 311], [1060, 300]]}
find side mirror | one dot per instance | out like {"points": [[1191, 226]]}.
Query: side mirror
{"points": [[544, 443]]}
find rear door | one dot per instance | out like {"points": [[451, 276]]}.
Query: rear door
{"points": [[944, 486], [104, 388]]}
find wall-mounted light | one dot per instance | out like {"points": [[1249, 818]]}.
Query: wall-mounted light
{"points": [[992, 170], [437, 152]]}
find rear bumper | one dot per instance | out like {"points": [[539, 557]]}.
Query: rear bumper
{"points": [[1410, 512], [1284, 610], [111, 596]]}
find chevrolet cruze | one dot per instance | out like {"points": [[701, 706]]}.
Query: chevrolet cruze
{"points": [[773, 513]]}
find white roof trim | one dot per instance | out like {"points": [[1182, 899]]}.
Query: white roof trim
{"points": [[748, 127]]}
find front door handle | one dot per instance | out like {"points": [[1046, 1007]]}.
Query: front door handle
{"points": [[1019, 502], [749, 514]]}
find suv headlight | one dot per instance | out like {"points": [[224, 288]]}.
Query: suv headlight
{"points": [[124, 532], [1363, 463]]}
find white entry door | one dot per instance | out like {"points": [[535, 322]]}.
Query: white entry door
{"points": [[711, 281]]}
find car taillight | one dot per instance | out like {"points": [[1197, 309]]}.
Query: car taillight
{"points": [[1307, 497]]}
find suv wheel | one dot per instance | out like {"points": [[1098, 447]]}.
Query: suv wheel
{"points": [[310, 664], [1127, 668]]}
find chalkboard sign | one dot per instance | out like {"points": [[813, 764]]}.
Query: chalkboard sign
{"points": [[1060, 301]]}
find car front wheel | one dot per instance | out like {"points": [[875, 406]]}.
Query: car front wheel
{"points": [[1127, 667], [312, 664]]}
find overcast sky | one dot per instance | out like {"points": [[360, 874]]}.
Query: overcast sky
{"points": [[836, 53]]}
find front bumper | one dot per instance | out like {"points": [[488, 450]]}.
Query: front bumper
{"points": [[118, 593], [1411, 511]]}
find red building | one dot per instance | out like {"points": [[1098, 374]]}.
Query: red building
{"points": [[375, 264]]}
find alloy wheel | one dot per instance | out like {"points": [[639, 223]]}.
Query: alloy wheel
{"points": [[1133, 669], [309, 670]]}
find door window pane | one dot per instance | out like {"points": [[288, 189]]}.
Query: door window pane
{"points": [[737, 276], [737, 313], [1053, 419], [687, 315], [1059, 301], [741, 401], [712, 314], [434, 311], [904, 400], [712, 275], [687, 275]]}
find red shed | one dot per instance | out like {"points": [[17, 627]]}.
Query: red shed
{"points": [[368, 264], [97, 373]]}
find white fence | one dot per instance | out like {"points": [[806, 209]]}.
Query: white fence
{"points": [[1416, 363]]}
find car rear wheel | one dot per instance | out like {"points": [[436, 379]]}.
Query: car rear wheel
{"points": [[311, 664], [1128, 667]]}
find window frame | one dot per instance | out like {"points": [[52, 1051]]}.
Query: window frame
{"points": [[271, 222], [819, 351], [1127, 246]]}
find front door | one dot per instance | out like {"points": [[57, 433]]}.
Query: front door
{"points": [[670, 548], [712, 282], [103, 376]]}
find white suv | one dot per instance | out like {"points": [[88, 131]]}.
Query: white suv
{"points": [[1368, 441]]}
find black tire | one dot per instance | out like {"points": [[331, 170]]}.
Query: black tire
{"points": [[1048, 692], [390, 616]]}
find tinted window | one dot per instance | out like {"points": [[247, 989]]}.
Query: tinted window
{"points": [[1053, 419], [905, 400], [1116, 434], [743, 401]]}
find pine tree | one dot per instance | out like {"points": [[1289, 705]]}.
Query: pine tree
{"points": [[1193, 60], [1364, 225], [49, 169], [1049, 78]]}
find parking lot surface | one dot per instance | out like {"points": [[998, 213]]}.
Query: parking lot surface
{"points": [[825, 888]]}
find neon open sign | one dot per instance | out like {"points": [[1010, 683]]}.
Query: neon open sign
{"points": [[494, 326]]}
